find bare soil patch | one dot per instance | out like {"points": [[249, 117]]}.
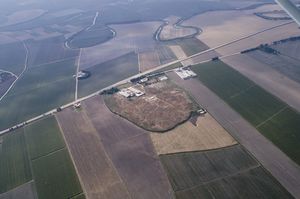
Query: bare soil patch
{"points": [[162, 108], [206, 135], [148, 60], [96, 172]]}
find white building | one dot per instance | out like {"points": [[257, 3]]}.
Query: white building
{"points": [[131, 92], [185, 73]]}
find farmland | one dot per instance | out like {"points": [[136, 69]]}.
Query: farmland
{"points": [[61, 179], [25, 191], [191, 46], [42, 89], [29, 153], [205, 135], [229, 172], [108, 73], [252, 102], [148, 60], [95, 169], [163, 107], [131, 151], [91, 37], [14, 162]]}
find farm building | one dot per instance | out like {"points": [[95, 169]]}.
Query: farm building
{"points": [[185, 73], [131, 92]]}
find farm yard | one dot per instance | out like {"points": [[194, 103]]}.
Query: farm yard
{"points": [[206, 134], [162, 108], [229, 172], [256, 105], [26, 156]]}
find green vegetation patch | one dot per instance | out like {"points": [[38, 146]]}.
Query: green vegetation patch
{"points": [[14, 162], [272, 117], [55, 176], [223, 173], [108, 73], [91, 37], [187, 170], [43, 137]]}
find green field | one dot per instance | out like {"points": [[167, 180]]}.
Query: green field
{"points": [[40, 90], [50, 166], [91, 37], [14, 161], [55, 176], [272, 117], [223, 173], [43, 137], [108, 73]]}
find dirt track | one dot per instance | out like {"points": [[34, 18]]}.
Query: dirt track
{"points": [[275, 161]]}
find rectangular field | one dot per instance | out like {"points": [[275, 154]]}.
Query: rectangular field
{"points": [[24, 191], [131, 152], [108, 73], [255, 104], [57, 170], [43, 137], [14, 161], [223, 173], [97, 174], [192, 46]]}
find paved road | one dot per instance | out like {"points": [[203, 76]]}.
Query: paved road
{"points": [[276, 162]]}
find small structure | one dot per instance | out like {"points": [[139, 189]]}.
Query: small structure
{"points": [[131, 92], [185, 73], [83, 75], [163, 78], [77, 105]]}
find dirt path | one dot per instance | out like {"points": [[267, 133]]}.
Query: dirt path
{"points": [[276, 162]]}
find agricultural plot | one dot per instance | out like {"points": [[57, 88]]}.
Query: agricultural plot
{"points": [[165, 54], [97, 174], [191, 46], [40, 90], [108, 73], [289, 48], [207, 134], [267, 77], [286, 65], [6, 80], [16, 64], [25, 191], [91, 37], [22, 16], [180, 54], [252, 102], [50, 50], [148, 60], [43, 137], [137, 37], [224, 173], [61, 179], [131, 152], [173, 30], [163, 107], [14, 162]]}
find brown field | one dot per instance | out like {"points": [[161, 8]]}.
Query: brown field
{"points": [[220, 27], [131, 151], [268, 78], [170, 31], [163, 107], [96, 172], [148, 60], [25, 191], [130, 37], [180, 54], [206, 135]]}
